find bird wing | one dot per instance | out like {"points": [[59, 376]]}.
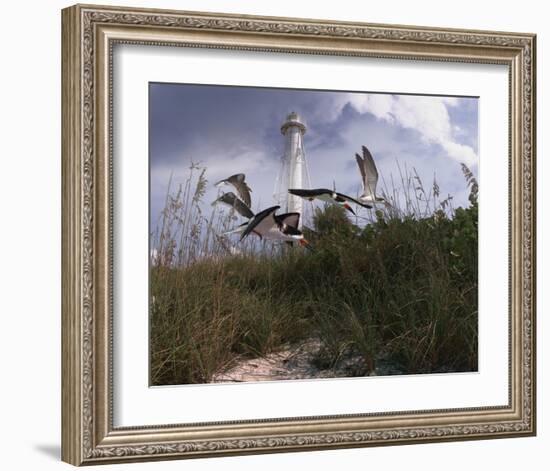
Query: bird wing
{"points": [[366, 187], [242, 188], [309, 193], [340, 197], [290, 219], [369, 172], [231, 199], [262, 222], [361, 166]]}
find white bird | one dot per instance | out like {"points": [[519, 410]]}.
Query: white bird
{"points": [[369, 175], [230, 199], [240, 185], [266, 224], [291, 219]]}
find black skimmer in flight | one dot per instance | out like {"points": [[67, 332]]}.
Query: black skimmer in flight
{"points": [[243, 190], [230, 199], [369, 175], [329, 196], [266, 224], [290, 219]]}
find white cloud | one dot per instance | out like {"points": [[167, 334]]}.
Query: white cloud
{"points": [[380, 106], [427, 115]]}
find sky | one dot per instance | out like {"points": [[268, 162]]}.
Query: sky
{"points": [[232, 130]]}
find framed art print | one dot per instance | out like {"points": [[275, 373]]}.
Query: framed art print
{"points": [[285, 234]]}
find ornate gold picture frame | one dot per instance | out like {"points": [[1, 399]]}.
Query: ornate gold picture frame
{"points": [[89, 435]]}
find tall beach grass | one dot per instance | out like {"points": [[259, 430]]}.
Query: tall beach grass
{"points": [[395, 285]]}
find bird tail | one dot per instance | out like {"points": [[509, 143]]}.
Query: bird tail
{"points": [[237, 230]]}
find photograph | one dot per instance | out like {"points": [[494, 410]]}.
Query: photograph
{"points": [[300, 234]]}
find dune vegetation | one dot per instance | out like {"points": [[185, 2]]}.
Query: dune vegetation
{"points": [[400, 287]]}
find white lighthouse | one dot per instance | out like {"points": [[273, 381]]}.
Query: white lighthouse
{"points": [[293, 170]]}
